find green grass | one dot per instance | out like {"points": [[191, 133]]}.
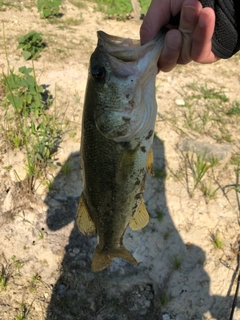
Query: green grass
{"points": [[118, 9]]}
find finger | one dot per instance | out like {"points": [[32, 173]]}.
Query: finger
{"points": [[158, 16], [188, 21], [202, 37], [171, 51]]}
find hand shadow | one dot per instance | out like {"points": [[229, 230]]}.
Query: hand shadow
{"points": [[169, 277]]}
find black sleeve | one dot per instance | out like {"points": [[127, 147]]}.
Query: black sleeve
{"points": [[226, 38]]}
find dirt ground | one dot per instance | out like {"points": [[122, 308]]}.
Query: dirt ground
{"points": [[182, 273]]}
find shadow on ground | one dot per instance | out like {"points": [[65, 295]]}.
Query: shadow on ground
{"points": [[157, 285]]}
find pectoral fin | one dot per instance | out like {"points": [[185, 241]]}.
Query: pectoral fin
{"points": [[141, 218], [84, 221], [150, 162]]}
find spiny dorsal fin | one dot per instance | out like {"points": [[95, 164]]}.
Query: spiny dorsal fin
{"points": [[141, 218], [84, 221], [150, 162]]}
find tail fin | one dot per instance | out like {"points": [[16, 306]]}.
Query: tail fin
{"points": [[102, 259]]}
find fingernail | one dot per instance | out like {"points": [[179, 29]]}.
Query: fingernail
{"points": [[204, 19]]}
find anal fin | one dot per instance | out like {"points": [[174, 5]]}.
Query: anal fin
{"points": [[84, 221], [140, 219]]}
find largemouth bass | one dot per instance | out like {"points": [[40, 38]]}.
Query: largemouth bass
{"points": [[117, 133]]}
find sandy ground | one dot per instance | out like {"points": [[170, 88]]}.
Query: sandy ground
{"points": [[42, 254]]}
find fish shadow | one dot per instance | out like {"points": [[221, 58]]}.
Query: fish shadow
{"points": [[169, 278]]}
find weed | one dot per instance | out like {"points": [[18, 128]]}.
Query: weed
{"points": [[34, 281], [208, 191], [24, 311], [3, 281], [49, 184], [67, 167], [166, 235], [234, 110], [176, 262], [48, 8], [160, 173], [27, 122], [235, 159], [41, 235], [24, 94], [160, 215], [164, 298], [217, 242], [5, 272], [31, 45], [17, 263], [208, 93], [198, 167]]}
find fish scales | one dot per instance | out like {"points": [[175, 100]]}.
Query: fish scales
{"points": [[117, 132]]}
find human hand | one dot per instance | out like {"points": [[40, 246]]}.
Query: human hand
{"points": [[193, 38]]}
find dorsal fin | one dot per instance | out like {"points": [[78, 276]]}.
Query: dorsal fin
{"points": [[141, 218], [84, 221]]}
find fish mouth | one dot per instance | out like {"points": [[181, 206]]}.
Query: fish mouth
{"points": [[127, 49]]}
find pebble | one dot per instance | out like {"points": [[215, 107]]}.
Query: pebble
{"points": [[180, 102], [76, 250], [165, 317], [72, 254], [147, 303]]}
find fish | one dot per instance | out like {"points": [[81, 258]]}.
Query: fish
{"points": [[118, 121]]}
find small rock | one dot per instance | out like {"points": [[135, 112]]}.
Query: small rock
{"points": [[76, 250], [72, 254], [165, 317], [148, 288], [142, 312], [93, 306], [206, 149], [61, 290], [180, 102], [150, 296], [147, 303], [8, 202]]}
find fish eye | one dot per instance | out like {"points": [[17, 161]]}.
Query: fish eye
{"points": [[98, 73]]}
